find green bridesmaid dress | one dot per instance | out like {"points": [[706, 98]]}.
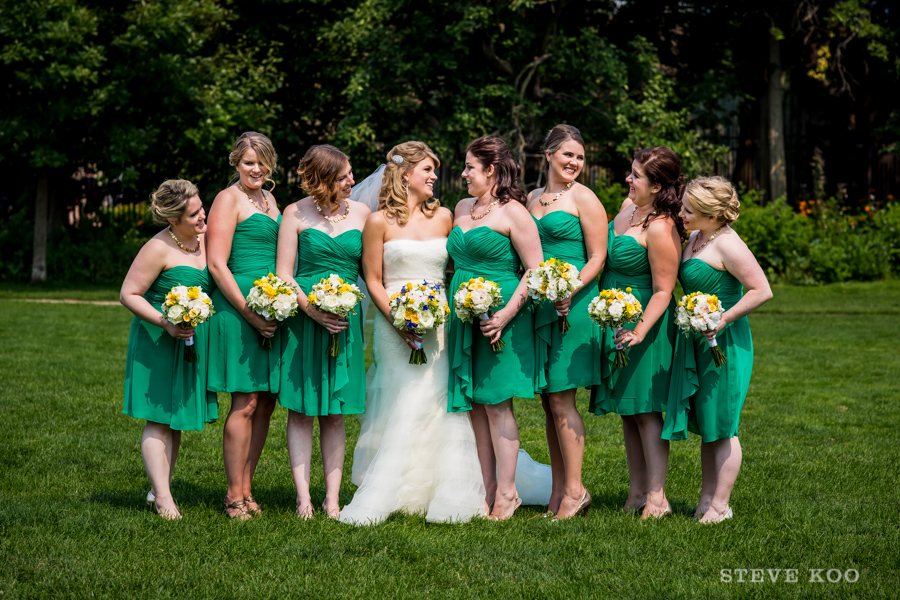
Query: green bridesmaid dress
{"points": [[239, 363], [313, 382], [160, 386], [572, 359], [706, 399], [477, 373], [642, 386]]}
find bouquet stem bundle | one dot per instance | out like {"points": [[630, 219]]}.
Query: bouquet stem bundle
{"points": [[187, 307], [334, 295], [474, 299], [700, 313], [614, 308]]}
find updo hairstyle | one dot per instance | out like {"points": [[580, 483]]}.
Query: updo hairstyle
{"points": [[392, 198], [170, 200], [558, 136], [714, 197], [319, 170], [492, 150], [265, 153], [663, 168]]}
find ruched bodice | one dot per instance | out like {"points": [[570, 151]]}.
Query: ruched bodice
{"points": [[319, 255], [698, 276], [627, 263], [181, 275], [413, 261], [484, 250], [562, 238], [253, 246]]}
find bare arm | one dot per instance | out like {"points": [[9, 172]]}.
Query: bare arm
{"points": [[147, 266], [740, 262], [664, 253], [373, 262], [594, 226]]}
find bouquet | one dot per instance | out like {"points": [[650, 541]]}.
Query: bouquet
{"points": [[187, 307], [554, 280], [273, 299], [699, 312], [614, 308], [476, 298], [336, 296], [418, 308]]}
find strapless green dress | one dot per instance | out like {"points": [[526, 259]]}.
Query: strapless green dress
{"points": [[572, 359], [160, 386], [239, 363], [642, 386], [477, 373], [313, 382], [706, 399]]}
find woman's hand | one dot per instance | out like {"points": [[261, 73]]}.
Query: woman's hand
{"points": [[712, 333], [330, 321], [627, 338], [265, 327], [178, 332], [410, 339], [562, 306], [493, 328]]}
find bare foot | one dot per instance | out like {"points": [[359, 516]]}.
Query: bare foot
{"points": [[657, 511]]}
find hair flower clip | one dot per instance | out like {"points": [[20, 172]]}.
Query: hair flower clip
{"points": [[397, 159]]}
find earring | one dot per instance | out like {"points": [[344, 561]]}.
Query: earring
{"points": [[407, 190]]}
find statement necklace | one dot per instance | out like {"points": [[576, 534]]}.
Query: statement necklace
{"points": [[333, 219], [486, 213], [641, 222], [556, 197], [695, 249], [182, 246], [252, 201]]}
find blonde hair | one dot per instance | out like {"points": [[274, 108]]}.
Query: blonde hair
{"points": [[319, 170], [393, 195], [265, 153], [714, 197], [170, 200]]}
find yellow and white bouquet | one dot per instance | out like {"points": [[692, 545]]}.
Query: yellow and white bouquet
{"points": [[614, 308], [697, 313], [274, 299], [476, 298], [418, 308], [187, 307], [554, 280], [336, 296]]}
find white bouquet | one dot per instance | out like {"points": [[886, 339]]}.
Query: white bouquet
{"points": [[418, 308], [554, 280], [614, 308], [336, 296], [187, 307], [273, 299], [476, 298], [699, 312]]}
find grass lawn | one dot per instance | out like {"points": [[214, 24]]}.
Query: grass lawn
{"points": [[820, 435]]}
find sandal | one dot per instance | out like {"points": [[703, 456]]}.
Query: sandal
{"points": [[235, 510], [251, 500]]}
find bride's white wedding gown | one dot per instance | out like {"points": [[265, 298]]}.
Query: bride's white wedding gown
{"points": [[412, 455]]}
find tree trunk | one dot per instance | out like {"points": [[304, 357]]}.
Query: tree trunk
{"points": [[777, 172], [39, 256]]}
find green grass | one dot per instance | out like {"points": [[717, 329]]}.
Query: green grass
{"points": [[820, 433]]}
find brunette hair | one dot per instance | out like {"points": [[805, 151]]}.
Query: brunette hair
{"points": [[714, 197], [170, 200], [559, 135], [492, 150], [319, 170], [663, 168], [392, 198], [265, 153]]}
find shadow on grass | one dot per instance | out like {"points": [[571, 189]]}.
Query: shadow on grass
{"points": [[188, 494]]}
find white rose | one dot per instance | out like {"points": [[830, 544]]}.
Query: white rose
{"points": [[616, 309], [175, 313], [426, 320], [698, 323], [330, 303], [349, 299]]}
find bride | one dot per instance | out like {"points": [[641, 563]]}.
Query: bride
{"points": [[412, 455]]}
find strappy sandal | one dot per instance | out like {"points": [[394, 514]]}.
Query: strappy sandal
{"points": [[253, 511], [237, 505]]}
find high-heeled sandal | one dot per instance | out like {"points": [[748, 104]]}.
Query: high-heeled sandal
{"points": [[517, 504], [151, 498], [237, 505], [583, 507], [253, 511]]}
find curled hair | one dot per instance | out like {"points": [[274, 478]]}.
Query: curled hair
{"points": [[265, 153], [492, 150], [170, 200], [392, 198], [319, 170], [559, 135], [714, 197], [663, 168]]}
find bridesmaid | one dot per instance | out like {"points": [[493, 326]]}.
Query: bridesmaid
{"points": [[572, 225], [160, 386], [643, 253], [493, 235], [243, 233], [706, 399], [320, 235]]}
